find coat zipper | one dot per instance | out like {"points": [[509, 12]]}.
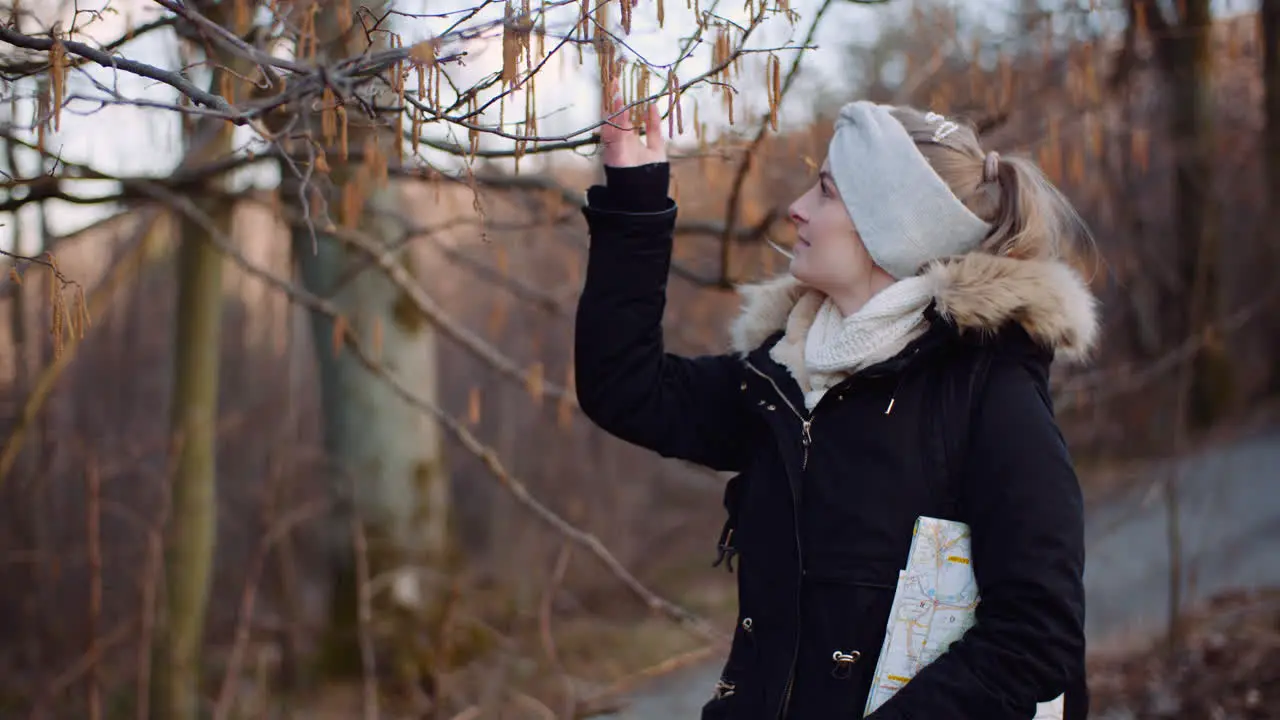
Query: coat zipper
{"points": [[806, 423], [806, 439]]}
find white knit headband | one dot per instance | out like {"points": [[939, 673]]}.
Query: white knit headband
{"points": [[904, 212]]}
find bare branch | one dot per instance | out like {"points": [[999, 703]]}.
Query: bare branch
{"points": [[228, 40], [53, 267], [744, 167], [106, 59], [19, 70], [489, 457], [100, 298], [1103, 384], [460, 151]]}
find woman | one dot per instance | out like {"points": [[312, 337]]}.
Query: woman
{"points": [[916, 253]]}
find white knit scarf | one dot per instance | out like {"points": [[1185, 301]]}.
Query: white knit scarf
{"points": [[837, 346]]}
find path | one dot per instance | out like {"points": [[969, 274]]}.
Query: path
{"points": [[1230, 531]]}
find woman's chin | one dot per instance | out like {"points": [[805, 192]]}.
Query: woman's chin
{"points": [[799, 267]]}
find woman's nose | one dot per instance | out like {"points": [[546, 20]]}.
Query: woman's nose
{"points": [[793, 212]]}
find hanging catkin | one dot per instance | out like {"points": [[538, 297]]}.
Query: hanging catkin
{"points": [[673, 102]]}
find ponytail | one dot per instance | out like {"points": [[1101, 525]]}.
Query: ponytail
{"points": [[1029, 217], [1032, 218]]}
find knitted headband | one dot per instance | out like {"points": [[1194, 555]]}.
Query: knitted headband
{"points": [[904, 212]]}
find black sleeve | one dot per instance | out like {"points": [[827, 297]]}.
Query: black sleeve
{"points": [[1025, 510], [687, 408]]}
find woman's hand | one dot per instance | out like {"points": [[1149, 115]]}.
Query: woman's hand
{"points": [[620, 142]]}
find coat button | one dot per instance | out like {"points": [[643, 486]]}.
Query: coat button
{"points": [[844, 663], [773, 407], [743, 386], [747, 624]]}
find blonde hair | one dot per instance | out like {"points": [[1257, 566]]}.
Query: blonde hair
{"points": [[1030, 218]]}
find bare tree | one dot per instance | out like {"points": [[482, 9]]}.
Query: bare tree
{"points": [[337, 98]]}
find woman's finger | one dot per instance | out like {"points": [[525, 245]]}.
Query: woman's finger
{"points": [[653, 128], [615, 128], [610, 101], [621, 117]]}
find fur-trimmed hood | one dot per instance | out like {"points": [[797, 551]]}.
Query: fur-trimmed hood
{"points": [[978, 292]]}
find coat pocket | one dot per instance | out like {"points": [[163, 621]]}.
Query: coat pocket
{"points": [[844, 622]]}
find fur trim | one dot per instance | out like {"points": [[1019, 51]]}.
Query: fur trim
{"points": [[978, 292], [765, 307]]}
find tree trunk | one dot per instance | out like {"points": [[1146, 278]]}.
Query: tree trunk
{"points": [[192, 527], [385, 454], [193, 523], [1270, 11], [1189, 69], [25, 522], [1203, 392]]}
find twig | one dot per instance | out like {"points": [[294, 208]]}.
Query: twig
{"points": [[544, 627], [94, 490], [50, 263], [107, 60], [459, 430], [1112, 382], [85, 663], [534, 704], [609, 698], [93, 482], [20, 70], [226, 696], [192, 176], [146, 634], [99, 299], [387, 261], [228, 39], [364, 618], [744, 167]]}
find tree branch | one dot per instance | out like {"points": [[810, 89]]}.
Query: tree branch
{"points": [[744, 167], [19, 70], [489, 457], [115, 62], [99, 299], [53, 267]]}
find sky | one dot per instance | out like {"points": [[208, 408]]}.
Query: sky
{"points": [[140, 141]]}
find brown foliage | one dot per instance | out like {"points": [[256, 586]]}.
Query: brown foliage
{"points": [[1228, 668]]}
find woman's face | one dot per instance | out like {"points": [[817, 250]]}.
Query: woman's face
{"points": [[828, 254]]}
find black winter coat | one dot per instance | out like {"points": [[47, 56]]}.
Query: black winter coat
{"points": [[824, 503]]}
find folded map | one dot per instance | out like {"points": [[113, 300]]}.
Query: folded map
{"points": [[933, 606]]}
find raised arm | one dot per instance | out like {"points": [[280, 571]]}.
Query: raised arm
{"points": [[687, 408]]}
